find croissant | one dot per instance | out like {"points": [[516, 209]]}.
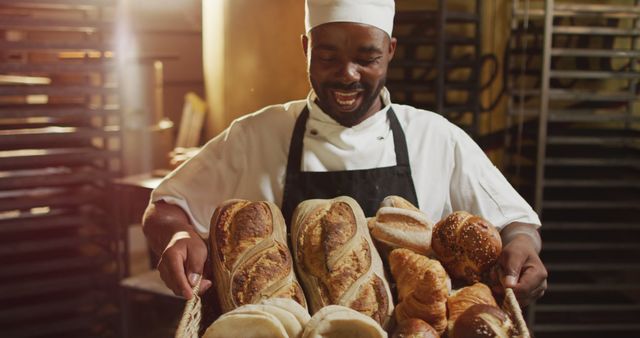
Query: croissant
{"points": [[423, 287], [415, 328], [466, 297], [399, 224], [467, 245], [336, 260], [251, 260]]}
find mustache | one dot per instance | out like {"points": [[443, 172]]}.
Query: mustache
{"points": [[345, 87]]}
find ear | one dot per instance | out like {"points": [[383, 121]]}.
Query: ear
{"points": [[305, 44], [392, 47]]}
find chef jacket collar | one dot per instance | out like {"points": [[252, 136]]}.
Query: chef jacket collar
{"points": [[316, 113]]}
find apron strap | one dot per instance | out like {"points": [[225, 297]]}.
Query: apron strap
{"points": [[294, 163]]}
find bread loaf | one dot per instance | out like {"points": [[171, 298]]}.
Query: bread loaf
{"points": [[399, 224], [336, 260], [250, 257], [483, 320], [466, 297], [467, 245], [414, 328], [423, 287]]}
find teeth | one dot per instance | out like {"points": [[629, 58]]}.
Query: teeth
{"points": [[346, 103], [346, 99]]}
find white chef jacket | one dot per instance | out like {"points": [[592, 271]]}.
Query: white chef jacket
{"points": [[249, 159]]}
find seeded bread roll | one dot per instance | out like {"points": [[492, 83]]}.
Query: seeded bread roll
{"points": [[251, 260], [483, 320], [336, 260], [467, 245]]}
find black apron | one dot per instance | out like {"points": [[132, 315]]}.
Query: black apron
{"points": [[368, 187]]}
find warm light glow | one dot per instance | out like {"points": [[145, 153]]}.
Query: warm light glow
{"points": [[40, 210], [28, 80]]}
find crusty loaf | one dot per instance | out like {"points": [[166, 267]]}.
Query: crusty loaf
{"points": [[250, 257], [464, 298], [336, 260], [399, 224], [423, 287], [467, 245]]}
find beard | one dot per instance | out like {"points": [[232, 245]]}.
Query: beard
{"points": [[347, 118]]}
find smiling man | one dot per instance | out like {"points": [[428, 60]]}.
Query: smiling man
{"points": [[346, 138]]}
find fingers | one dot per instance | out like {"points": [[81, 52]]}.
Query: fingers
{"points": [[510, 263], [181, 267], [196, 258], [172, 272], [205, 284], [533, 281]]}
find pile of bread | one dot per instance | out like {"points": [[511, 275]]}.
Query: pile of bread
{"points": [[339, 287]]}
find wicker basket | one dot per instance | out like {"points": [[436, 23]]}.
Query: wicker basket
{"points": [[189, 325], [191, 322]]}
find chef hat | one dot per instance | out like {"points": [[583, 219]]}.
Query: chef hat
{"points": [[377, 13]]}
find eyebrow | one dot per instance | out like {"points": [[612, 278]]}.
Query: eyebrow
{"points": [[363, 49], [326, 47], [369, 49]]}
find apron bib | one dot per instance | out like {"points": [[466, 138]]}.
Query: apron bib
{"points": [[368, 187]]}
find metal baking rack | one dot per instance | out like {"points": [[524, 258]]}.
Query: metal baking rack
{"points": [[437, 62], [59, 147], [575, 104]]}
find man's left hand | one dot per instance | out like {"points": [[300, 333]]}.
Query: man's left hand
{"points": [[521, 269]]}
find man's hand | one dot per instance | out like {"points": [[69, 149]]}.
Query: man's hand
{"points": [[519, 263], [182, 264], [182, 251]]}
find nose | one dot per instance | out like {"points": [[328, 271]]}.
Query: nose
{"points": [[349, 73]]}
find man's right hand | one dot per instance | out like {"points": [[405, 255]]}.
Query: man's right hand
{"points": [[183, 253], [182, 263]]}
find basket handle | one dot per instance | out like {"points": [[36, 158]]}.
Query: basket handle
{"points": [[513, 307], [190, 322]]}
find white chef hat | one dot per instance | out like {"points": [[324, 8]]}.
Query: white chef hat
{"points": [[377, 13]]}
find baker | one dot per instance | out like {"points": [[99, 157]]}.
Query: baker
{"points": [[345, 138]]}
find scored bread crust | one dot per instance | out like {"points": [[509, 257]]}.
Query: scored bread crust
{"points": [[336, 260], [467, 245], [251, 260]]}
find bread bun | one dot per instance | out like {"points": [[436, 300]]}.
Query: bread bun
{"points": [[467, 245], [399, 224], [414, 328], [483, 320]]}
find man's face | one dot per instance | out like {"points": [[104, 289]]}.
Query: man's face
{"points": [[347, 65]]}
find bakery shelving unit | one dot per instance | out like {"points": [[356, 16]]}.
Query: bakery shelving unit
{"points": [[574, 93], [59, 148], [438, 60]]}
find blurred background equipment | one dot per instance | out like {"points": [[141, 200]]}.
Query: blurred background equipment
{"points": [[574, 102], [60, 144]]}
